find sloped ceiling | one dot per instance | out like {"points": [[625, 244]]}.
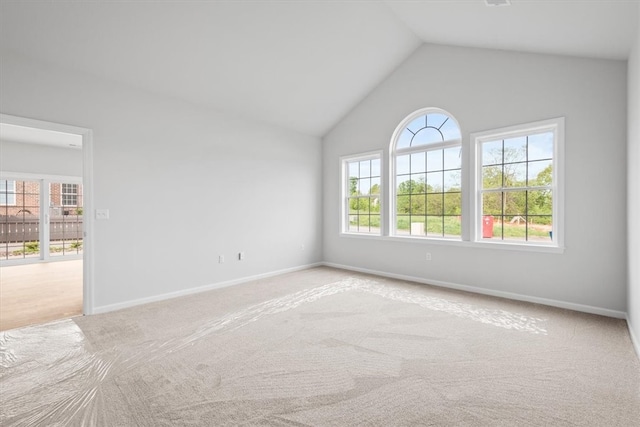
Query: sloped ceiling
{"points": [[300, 64]]}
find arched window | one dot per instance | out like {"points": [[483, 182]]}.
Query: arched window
{"points": [[426, 172]]}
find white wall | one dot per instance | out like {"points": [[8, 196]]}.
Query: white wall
{"points": [[633, 191], [40, 159], [486, 89], [183, 184]]}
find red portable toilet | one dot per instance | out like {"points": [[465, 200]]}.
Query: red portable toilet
{"points": [[487, 227]]}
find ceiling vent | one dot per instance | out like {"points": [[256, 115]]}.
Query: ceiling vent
{"points": [[498, 2]]}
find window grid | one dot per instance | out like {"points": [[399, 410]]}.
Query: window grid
{"points": [[528, 200], [7, 192], [428, 194], [69, 194], [363, 185]]}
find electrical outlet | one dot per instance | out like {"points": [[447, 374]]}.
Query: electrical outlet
{"points": [[428, 257], [240, 256], [221, 259]]}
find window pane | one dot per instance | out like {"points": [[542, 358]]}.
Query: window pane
{"points": [[403, 184], [453, 158], [452, 180], [417, 183], [541, 146], [353, 223], [515, 149], [418, 204], [353, 205], [417, 226], [402, 165], [404, 140], [434, 204], [450, 130], [436, 120], [434, 160], [375, 186], [416, 124], [515, 203], [434, 182], [452, 226], [402, 224], [365, 186], [541, 228], [363, 223], [375, 204], [434, 226], [491, 177], [365, 169], [365, 204], [403, 204], [514, 228], [541, 173], [353, 186], [427, 136], [374, 222], [492, 203], [492, 153], [418, 163], [540, 202], [515, 175], [375, 167], [452, 204], [354, 169]]}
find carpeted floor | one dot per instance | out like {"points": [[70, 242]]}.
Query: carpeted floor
{"points": [[323, 347]]}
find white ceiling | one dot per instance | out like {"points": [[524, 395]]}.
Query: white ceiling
{"points": [[589, 28], [298, 64]]}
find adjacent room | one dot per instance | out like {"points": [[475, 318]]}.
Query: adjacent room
{"points": [[321, 213]]}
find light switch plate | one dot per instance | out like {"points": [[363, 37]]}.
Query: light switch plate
{"points": [[102, 214]]}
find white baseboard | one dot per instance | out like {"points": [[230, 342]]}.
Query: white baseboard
{"points": [[635, 340], [518, 297], [190, 291]]}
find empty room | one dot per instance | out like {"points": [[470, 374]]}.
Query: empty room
{"points": [[321, 213]]}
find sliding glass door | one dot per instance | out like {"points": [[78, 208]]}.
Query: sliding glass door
{"points": [[28, 231], [20, 219]]}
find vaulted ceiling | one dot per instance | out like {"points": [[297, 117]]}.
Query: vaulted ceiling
{"points": [[299, 64]]}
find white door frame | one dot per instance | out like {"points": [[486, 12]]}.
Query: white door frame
{"points": [[87, 188]]}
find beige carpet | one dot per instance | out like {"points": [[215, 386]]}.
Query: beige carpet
{"points": [[323, 347]]}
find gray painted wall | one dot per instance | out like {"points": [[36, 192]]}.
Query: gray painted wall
{"points": [[633, 191], [40, 159], [486, 89], [215, 184]]}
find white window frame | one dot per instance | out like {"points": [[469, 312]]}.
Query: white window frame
{"points": [[393, 153], [9, 192], [556, 126], [63, 194], [345, 194]]}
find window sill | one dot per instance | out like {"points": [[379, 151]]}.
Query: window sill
{"points": [[496, 245]]}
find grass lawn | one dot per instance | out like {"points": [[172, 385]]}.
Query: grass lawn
{"points": [[451, 226]]}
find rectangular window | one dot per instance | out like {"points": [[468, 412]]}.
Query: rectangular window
{"points": [[7, 193], [361, 194], [518, 183], [429, 192], [69, 194]]}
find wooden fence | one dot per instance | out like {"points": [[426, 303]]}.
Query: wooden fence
{"points": [[19, 229]]}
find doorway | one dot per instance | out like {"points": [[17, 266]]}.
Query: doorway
{"points": [[45, 236]]}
